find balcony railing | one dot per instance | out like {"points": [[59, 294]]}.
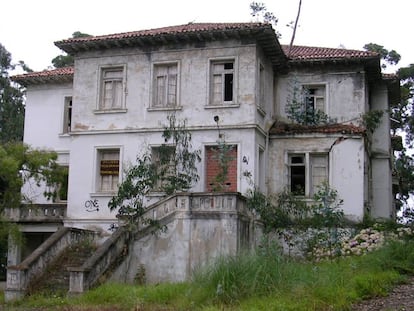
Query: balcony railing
{"points": [[37, 213]]}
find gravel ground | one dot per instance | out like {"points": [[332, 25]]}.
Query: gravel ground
{"points": [[401, 298]]}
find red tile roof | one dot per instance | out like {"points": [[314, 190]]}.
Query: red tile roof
{"points": [[303, 53], [290, 128], [55, 75], [170, 30], [197, 32]]}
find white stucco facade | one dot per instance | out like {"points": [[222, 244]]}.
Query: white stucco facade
{"points": [[261, 87]]}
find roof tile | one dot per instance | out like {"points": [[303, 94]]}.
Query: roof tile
{"points": [[280, 128], [303, 53], [170, 30]]}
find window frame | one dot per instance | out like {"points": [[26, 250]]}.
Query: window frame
{"points": [[211, 73], [99, 152], [308, 164], [155, 158], [59, 198], [261, 101], [67, 115], [100, 108], [158, 66], [318, 85]]}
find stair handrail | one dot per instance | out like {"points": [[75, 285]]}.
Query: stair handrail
{"points": [[107, 255], [20, 275]]}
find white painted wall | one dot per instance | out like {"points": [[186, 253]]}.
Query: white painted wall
{"points": [[244, 124], [346, 166], [347, 175], [345, 92], [44, 116], [43, 127]]}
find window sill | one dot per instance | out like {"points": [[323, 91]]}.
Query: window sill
{"points": [[165, 108], [64, 134], [222, 106], [101, 111], [103, 194]]}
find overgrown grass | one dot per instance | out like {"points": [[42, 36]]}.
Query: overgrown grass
{"points": [[256, 282]]}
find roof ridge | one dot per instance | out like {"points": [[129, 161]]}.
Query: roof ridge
{"points": [[189, 27]]}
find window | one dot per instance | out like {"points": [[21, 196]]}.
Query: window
{"points": [[262, 170], [307, 172], [165, 86], [222, 82], [108, 160], [314, 97], [62, 185], [112, 88], [67, 115], [261, 87], [163, 159]]}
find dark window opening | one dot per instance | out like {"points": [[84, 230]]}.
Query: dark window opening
{"points": [[228, 86], [69, 121], [297, 179], [228, 65]]}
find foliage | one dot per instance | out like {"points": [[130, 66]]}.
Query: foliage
{"points": [[372, 119], [402, 113], [255, 281], [300, 110], [222, 154], [11, 101], [390, 57], [259, 10], [65, 60], [19, 164], [402, 117], [314, 226], [175, 171], [404, 172], [138, 182]]}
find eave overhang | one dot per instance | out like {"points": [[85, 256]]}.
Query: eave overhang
{"points": [[197, 33], [59, 75]]}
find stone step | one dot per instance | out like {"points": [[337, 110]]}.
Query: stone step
{"points": [[55, 280]]}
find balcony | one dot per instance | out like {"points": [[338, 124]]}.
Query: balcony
{"points": [[26, 213]]}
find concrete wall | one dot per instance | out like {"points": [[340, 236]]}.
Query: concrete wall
{"points": [[43, 127], [345, 91], [346, 166], [139, 126], [193, 93], [202, 228], [381, 157]]}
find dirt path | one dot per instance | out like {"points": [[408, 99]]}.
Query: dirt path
{"points": [[401, 298]]}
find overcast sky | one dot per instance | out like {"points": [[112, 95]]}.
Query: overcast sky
{"points": [[28, 28]]}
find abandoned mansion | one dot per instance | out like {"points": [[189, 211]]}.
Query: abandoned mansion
{"points": [[232, 82]]}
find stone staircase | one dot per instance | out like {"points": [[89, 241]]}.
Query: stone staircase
{"points": [[55, 279]]}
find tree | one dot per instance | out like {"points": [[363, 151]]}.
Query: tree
{"points": [[177, 163], [301, 108], [66, 60], [390, 57], [259, 10], [295, 27], [402, 117], [173, 169], [19, 164], [11, 101]]}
